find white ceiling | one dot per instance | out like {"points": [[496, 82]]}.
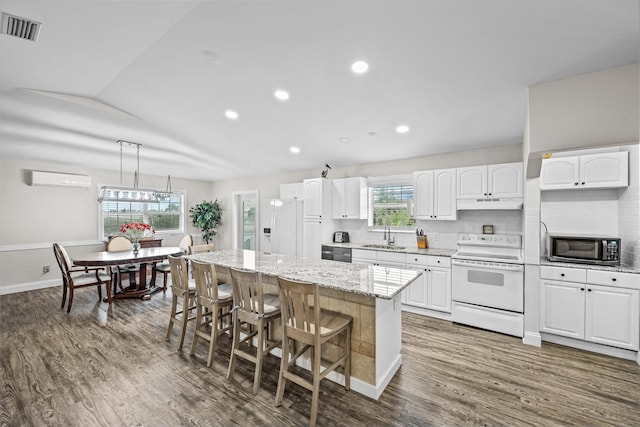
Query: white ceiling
{"points": [[455, 71]]}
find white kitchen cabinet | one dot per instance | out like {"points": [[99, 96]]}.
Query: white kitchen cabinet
{"points": [[317, 197], [435, 194], [416, 293], [612, 316], [438, 284], [602, 170], [349, 198], [433, 290], [601, 314], [562, 308], [312, 238], [490, 181]]}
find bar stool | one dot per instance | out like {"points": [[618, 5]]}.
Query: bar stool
{"points": [[256, 310], [211, 300], [181, 288], [308, 326], [165, 268]]}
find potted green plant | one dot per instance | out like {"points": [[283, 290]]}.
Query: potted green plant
{"points": [[206, 216]]}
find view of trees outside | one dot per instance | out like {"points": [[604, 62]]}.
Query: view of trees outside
{"points": [[162, 216], [392, 206]]}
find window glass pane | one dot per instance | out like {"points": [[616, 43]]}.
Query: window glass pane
{"points": [[162, 216], [393, 205]]}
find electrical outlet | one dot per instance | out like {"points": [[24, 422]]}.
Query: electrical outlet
{"points": [[46, 269]]}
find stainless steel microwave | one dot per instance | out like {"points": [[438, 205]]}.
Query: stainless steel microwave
{"points": [[583, 249]]}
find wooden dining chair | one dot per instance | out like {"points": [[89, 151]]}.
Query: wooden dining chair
{"points": [[181, 289], [198, 249], [255, 310], [79, 277], [122, 243], [164, 268], [213, 306], [306, 326]]}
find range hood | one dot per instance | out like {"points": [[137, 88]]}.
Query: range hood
{"points": [[515, 203]]}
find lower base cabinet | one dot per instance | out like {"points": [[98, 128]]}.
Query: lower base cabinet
{"points": [[606, 315], [433, 289]]}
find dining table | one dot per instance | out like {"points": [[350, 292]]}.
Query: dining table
{"points": [[145, 256]]}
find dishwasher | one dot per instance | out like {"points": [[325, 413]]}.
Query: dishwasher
{"points": [[336, 254]]}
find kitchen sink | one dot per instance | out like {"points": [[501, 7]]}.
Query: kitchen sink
{"points": [[393, 247]]}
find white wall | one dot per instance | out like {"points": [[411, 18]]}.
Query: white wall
{"points": [[32, 218], [588, 110]]}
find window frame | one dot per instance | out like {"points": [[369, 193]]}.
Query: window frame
{"points": [[387, 181], [145, 213]]}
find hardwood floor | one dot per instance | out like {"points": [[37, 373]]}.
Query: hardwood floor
{"points": [[100, 366]]}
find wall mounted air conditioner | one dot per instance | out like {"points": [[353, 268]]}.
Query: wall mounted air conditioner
{"points": [[60, 179]]}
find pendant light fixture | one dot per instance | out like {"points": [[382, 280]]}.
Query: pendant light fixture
{"points": [[134, 194]]}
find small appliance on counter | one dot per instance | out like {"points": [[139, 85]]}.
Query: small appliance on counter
{"points": [[597, 250], [341, 237]]}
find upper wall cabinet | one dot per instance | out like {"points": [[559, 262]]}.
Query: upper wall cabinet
{"points": [[490, 181], [349, 198], [603, 170], [317, 197], [435, 194]]}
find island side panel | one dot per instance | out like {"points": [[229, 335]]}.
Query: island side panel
{"points": [[389, 338]]}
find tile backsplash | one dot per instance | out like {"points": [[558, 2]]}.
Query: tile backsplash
{"points": [[441, 234]]}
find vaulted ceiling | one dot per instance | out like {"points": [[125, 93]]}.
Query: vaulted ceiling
{"points": [[163, 73]]}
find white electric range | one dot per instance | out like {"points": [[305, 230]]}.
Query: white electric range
{"points": [[488, 282]]}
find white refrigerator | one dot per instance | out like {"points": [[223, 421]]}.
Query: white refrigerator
{"points": [[283, 231]]}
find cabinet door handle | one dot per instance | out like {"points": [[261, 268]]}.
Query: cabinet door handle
{"points": [[438, 261], [582, 289], [489, 193], [589, 290], [582, 182], [561, 274], [614, 279]]}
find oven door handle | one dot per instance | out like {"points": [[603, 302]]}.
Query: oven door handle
{"points": [[488, 265]]}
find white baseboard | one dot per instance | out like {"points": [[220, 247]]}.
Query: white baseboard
{"points": [[596, 348], [30, 286], [532, 338], [426, 312]]}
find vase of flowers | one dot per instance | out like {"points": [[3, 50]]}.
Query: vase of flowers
{"points": [[135, 231]]}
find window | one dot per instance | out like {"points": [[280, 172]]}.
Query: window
{"points": [[392, 204], [165, 216]]}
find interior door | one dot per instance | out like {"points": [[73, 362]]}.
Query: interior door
{"points": [[245, 220]]}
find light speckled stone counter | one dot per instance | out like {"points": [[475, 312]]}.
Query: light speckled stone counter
{"points": [[405, 249], [372, 281], [617, 269], [369, 294]]}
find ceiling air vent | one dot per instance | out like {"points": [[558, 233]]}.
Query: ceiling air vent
{"points": [[20, 27]]}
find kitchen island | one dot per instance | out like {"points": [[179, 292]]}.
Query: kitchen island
{"points": [[370, 294]]}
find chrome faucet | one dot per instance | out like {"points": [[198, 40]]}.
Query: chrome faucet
{"points": [[387, 233]]}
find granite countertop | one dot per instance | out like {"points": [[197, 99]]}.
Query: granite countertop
{"points": [[406, 249], [617, 269], [374, 281]]}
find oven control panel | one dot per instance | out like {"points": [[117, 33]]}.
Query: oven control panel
{"points": [[497, 240]]}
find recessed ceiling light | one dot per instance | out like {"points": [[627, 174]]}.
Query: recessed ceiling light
{"points": [[294, 150], [282, 95], [231, 115], [359, 67], [344, 139], [402, 129], [372, 133]]}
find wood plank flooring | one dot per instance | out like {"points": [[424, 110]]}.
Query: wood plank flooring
{"points": [[100, 366]]}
